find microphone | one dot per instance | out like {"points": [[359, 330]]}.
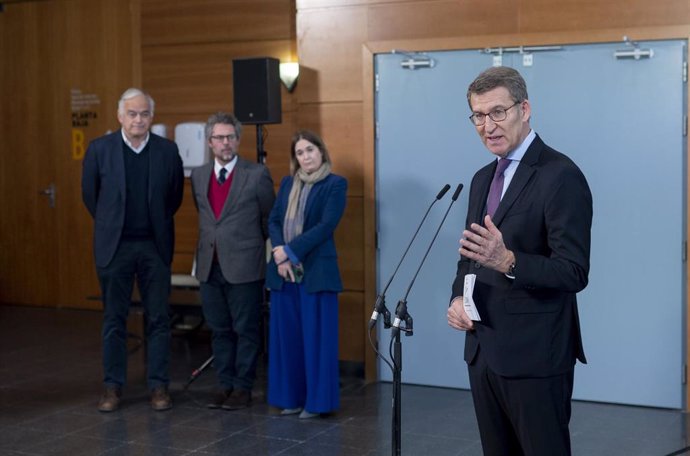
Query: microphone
{"points": [[401, 310], [380, 306], [442, 192]]}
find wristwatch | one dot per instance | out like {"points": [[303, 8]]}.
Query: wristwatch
{"points": [[511, 271]]}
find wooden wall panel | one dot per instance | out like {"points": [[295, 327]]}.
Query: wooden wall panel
{"points": [[548, 15], [304, 4], [202, 21], [369, 207], [197, 78], [330, 42], [441, 19], [351, 334], [182, 262], [28, 262], [340, 126]]}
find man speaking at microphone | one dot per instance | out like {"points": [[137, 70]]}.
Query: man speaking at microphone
{"points": [[524, 256]]}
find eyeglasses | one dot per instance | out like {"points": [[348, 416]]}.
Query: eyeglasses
{"points": [[143, 114], [497, 115], [223, 138]]}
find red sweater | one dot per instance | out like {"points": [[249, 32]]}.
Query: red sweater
{"points": [[217, 193]]}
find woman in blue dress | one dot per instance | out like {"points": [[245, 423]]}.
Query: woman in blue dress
{"points": [[304, 280]]}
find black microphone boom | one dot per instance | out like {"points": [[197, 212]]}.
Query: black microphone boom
{"points": [[380, 307], [401, 310], [456, 193], [442, 192]]}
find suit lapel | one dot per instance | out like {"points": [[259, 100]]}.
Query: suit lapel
{"points": [[153, 170], [483, 183], [118, 161], [522, 176], [239, 179], [313, 196], [203, 181]]}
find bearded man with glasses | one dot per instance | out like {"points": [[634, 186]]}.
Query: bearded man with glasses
{"points": [[234, 198], [524, 254]]}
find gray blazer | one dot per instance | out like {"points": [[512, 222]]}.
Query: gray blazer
{"points": [[239, 235]]}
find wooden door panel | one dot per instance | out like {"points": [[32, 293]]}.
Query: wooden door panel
{"points": [[28, 266], [58, 49]]}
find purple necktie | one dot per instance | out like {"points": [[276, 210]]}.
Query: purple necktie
{"points": [[496, 187]]}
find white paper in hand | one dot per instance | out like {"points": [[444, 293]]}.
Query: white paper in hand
{"points": [[467, 301]]}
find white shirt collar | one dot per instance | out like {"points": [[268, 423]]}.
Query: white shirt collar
{"points": [[129, 143], [519, 152], [229, 167]]}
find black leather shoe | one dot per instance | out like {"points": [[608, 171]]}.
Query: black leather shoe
{"points": [[219, 399], [239, 399]]}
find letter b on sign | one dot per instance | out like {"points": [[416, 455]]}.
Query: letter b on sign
{"points": [[78, 148]]}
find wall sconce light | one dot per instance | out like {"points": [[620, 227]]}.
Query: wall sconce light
{"points": [[288, 74]]}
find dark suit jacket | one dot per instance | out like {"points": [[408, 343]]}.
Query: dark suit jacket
{"points": [[530, 325], [239, 236], [104, 193], [315, 247]]}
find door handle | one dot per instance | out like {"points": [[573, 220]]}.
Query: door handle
{"points": [[50, 193]]}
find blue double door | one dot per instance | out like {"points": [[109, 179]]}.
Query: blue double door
{"points": [[622, 121]]}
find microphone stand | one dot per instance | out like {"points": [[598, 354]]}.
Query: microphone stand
{"points": [[198, 371], [397, 381], [380, 306], [260, 152], [401, 315]]}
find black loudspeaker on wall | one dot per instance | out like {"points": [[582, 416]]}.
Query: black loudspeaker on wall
{"points": [[256, 90]]}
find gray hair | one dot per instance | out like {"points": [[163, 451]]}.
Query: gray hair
{"points": [[225, 119], [499, 77], [131, 93]]}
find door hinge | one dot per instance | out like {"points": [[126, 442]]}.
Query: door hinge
{"points": [[685, 374], [376, 83], [377, 130], [685, 71], [685, 125], [376, 240]]}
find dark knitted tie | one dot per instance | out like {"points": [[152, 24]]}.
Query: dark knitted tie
{"points": [[496, 187], [222, 175]]}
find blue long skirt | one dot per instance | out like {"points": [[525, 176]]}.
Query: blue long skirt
{"points": [[303, 350]]}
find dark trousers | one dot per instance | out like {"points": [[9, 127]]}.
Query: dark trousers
{"points": [[521, 416], [233, 312], [140, 261]]}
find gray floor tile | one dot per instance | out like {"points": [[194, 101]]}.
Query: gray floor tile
{"points": [[50, 385]]}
